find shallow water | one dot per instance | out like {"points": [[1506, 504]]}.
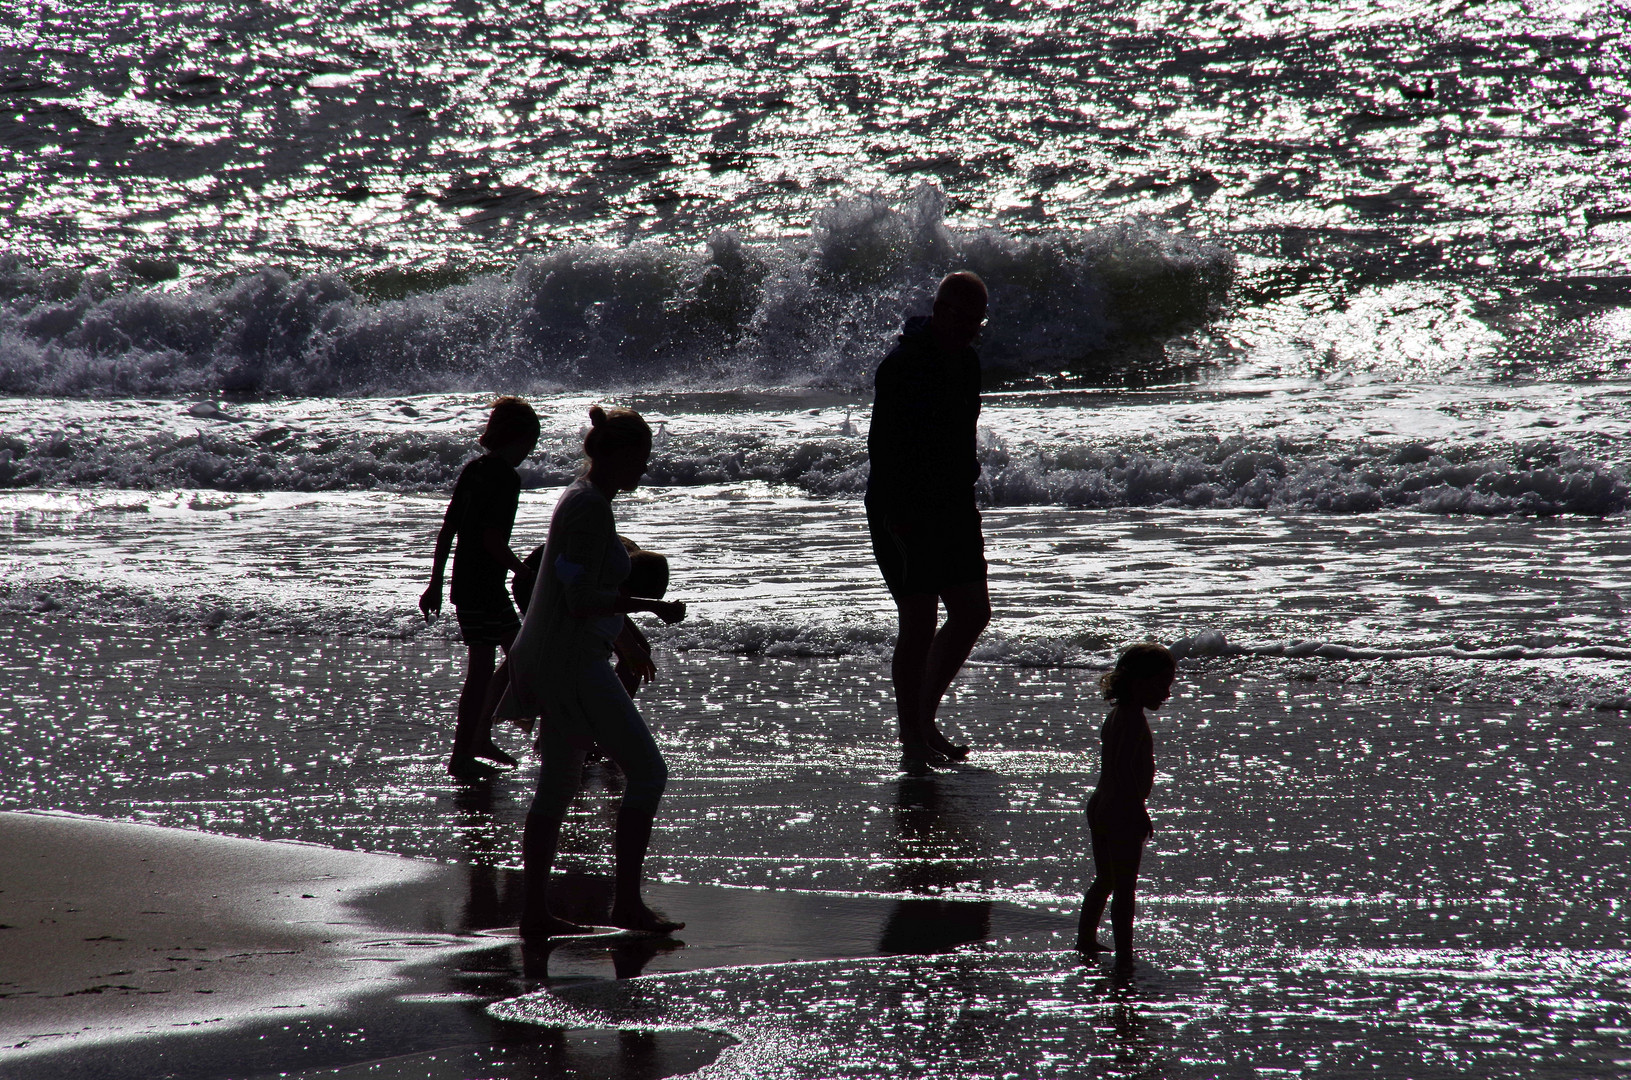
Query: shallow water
{"points": [[1265, 1010], [1295, 780], [768, 570], [1348, 854]]}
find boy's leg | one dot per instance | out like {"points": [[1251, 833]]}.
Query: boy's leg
{"points": [[478, 674], [496, 685]]}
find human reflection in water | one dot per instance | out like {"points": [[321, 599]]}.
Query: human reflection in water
{"points": [[1142, 679], [937, 845], [629, 955], [485, 843]]}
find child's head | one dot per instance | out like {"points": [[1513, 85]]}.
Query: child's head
{"points": [[648, 572], [1142, 676], [512, 429]]}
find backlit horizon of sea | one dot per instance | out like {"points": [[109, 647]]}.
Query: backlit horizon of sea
{"points": [[1309, 353]]}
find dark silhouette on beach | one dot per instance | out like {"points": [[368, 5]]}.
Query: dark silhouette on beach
{"points": [[477, 526], [1142, 679], [560, 669], [920, 506]]}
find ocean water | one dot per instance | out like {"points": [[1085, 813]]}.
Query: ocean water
{"points": [[1309, 353]]}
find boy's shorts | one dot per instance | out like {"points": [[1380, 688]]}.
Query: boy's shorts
{"points": [[493, 623], [936, 554]]}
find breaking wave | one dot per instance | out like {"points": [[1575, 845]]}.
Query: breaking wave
{"points": [[797, 312]]}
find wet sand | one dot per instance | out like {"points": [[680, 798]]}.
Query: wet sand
{"points": [[115, 931], [134, 950]]}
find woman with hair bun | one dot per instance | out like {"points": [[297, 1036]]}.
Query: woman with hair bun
{"points": [[1142, 679], [560, 669]]}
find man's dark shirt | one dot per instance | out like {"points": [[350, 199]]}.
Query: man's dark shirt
{"points": [[485, 497], [923, 446]]}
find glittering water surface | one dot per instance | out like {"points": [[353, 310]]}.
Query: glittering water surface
{"points": [[1453, 803], [1391, 829], [1278, 1012], [1405, 866], [1307, 353]]}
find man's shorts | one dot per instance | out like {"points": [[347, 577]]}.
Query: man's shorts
{"points": [[936, 553], [492, 623]]}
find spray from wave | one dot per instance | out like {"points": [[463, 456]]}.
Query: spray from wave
{"points": [[797, 312]]}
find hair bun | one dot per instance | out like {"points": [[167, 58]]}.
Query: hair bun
{"points": [[597, 416]]}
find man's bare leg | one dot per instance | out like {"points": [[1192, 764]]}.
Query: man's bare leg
{"points": [[968, 611], [912, 645]]}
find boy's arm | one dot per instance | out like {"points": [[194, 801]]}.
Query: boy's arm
{"points": [[498, 546], [430, 603]]}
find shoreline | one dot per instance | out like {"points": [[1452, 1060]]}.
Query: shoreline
{"points": [[120, 930], [144, 951]]}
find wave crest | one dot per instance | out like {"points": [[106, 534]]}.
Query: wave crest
{"points": [[796, 312]]}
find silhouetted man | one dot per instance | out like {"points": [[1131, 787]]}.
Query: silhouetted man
{"points": [[920, 505]]}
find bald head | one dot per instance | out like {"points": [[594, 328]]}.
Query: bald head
{"points": [[959, 310]]}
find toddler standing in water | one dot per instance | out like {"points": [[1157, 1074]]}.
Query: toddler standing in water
{"points": [[480, 517], [1142, 679]]}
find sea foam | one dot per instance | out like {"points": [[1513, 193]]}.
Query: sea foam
{"points": [[808, 311], [1540, 477]]}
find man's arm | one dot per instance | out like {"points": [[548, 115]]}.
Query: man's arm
{"points": [[889, 446]]}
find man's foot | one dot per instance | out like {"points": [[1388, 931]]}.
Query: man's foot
{"points": [[466, 767], [550, 927], [1124, 963], [1091, 945], [490, 750], [643, 920]]}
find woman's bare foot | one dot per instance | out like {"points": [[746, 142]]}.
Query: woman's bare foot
{"points": [[549, 926], [1124, 963], [643, 920], [1093, 945], [943, 746], [916, 748], [466, 767], [490, 750], [927, 743]]}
